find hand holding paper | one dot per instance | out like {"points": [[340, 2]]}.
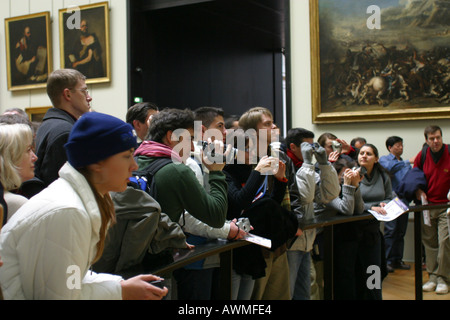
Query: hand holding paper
{"points": [[393, 210]]}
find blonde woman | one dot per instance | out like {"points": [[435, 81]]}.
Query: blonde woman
{"points": [[1, 225], [50, 244], [16, 162]]}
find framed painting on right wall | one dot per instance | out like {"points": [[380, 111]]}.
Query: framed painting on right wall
{"points": [[380, 60]]}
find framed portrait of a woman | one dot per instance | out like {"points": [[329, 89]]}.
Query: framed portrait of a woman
{"points": [[28, 51], [84, 41]]}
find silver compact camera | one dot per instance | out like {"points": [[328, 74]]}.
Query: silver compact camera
{"points": [[315, 146], [336, 146], [362, 170], [244, 224], [210, 151]]}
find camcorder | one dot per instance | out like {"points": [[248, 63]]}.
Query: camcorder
{"points": [[211, 152], [315, 146], [336, 146]]}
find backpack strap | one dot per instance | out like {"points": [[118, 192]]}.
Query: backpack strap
{"points": [[142, 179], [424, 154], [154, 167]]}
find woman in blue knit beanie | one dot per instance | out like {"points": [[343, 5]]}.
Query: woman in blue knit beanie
{"points": [[50, 244]]}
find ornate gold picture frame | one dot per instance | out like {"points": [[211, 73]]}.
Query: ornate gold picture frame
{"points": [[36, 114], [28, 51], [379, 60], [85, 41]]}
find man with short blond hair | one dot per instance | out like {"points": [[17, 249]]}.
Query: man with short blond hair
{"points": [[69, 95], [275, 284]]}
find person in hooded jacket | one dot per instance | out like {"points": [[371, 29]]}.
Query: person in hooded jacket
{"points": [[51, 242]]}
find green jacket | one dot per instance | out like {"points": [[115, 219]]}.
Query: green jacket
{"points": [[178, 189]]}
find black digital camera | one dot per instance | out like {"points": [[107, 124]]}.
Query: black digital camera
{"points": [[157, 283], [210, 151], [362, 170], [315, 146]]}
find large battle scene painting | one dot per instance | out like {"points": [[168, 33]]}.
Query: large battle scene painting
{"points": [[383, 56]]}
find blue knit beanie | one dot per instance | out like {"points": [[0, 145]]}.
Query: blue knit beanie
{"points": [[97, 136]]}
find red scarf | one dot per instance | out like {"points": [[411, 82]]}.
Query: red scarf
{"points": [[297, 162], [154, 149]]}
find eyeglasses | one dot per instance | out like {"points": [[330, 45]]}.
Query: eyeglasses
{"points": [[84, 90]]}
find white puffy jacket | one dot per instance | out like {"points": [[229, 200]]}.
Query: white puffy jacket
{"points": [[48, 245]]}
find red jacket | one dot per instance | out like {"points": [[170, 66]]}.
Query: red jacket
{"points": [[437, 175]]}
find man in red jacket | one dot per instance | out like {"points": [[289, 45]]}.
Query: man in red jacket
{"points": [[435, 234]]}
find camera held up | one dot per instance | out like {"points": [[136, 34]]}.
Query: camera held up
{"points": [[362, 170], [209, 149], [315, 146], [336, 146]]}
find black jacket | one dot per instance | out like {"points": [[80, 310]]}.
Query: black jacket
{"points": [[51, 136], [267, 216], [4, 205]]}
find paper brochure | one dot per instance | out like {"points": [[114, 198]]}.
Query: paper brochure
{"points": [[393, 209], [258, 240]]}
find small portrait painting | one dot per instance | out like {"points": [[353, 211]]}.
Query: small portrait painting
{"points": [[84, 35], [28, 48]]}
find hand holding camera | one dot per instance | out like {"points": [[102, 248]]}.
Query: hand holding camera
{"points": [[321, 155], [268, 166], [349, 175], [239, 228], [352, 177], [244, 224], [215, 154], [138, 288], [357, 175], [333, 156], [336, 146], [307, 152], [281, 170], [360, 170]]}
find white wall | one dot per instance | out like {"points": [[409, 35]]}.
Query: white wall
{"points": [[110, 97]]}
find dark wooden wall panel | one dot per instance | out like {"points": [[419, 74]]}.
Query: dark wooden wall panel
{"points": [[219, 53]]}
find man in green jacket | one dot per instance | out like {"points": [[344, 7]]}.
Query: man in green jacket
{"points": [[171, 136]]}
